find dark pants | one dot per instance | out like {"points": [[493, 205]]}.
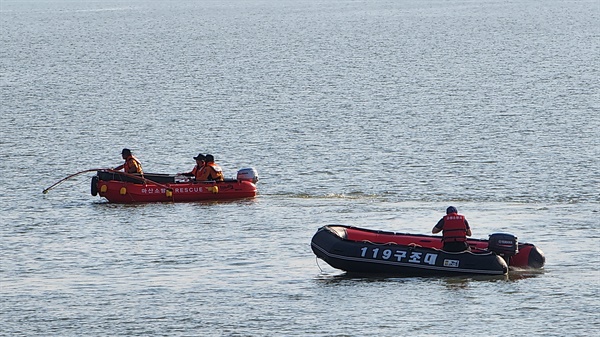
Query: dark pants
{"points": [[456, 246]]}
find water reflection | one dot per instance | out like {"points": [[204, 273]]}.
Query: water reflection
{"points": [[451, 282], [521, 274]]}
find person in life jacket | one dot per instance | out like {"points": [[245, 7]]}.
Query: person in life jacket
{"points": [[455, 229], [131, 165], [196, 172], [211, 171]]}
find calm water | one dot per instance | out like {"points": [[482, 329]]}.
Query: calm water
{"points": [[374, 114]]}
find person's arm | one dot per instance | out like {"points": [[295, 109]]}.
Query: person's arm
{"points": [[189, 174], [438, 227], [120, 167], [468, 228]]}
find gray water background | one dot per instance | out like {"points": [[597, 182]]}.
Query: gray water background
{"points": [[376, 114]]}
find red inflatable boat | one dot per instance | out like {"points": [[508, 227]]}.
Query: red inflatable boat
{"points": [[119, 187]]}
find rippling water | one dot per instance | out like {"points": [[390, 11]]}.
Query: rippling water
{"points": [[377, 115]]}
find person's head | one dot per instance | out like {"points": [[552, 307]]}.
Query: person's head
{"points": [[200, 158], [451, 210], [210, 158], [126, 153]]}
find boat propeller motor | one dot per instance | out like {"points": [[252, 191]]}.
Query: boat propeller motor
{"points": [[503, 244], [247, 174]]}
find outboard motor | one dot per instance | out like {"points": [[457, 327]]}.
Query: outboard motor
{"points": [[503, 244], [247, 174]]}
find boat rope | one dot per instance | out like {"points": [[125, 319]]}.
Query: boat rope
{"points": [[478, 249], [317, 261]]}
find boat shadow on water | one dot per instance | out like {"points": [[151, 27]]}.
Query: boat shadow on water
{"points": [[458, 281], [108, 204]]}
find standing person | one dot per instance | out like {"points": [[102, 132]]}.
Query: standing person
{"points": [[455, 229], [131, 165], [211, 170], [197, 170]]}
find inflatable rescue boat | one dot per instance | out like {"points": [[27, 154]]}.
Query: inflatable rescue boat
{"points": [[124, 188], [359, 250]]}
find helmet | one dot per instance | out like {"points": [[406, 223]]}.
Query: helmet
{"points": [[451, 209]]}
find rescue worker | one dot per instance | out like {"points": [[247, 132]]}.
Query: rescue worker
{"points": [[211, 170], [455, 229], [197, 170], [131, 165]]}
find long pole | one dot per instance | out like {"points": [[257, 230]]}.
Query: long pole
{"points": [[140, 178], [67, 178]]}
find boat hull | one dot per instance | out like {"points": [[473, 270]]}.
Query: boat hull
{"points": [[357, 250], [164, 188]]}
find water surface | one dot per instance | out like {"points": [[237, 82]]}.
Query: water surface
{"points": [[377, 115]]}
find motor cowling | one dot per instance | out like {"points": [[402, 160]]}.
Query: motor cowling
{"points": [[504, 244], [247, 174]]}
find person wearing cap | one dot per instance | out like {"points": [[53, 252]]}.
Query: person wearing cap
{"points": [[197, 170], [131, 165], [455, 229], [210, 171]]}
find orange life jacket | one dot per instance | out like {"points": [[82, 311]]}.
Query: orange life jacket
{"points": [[210, 171], [197, 171], [132, 165], [216, 173], [455, 229]]}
